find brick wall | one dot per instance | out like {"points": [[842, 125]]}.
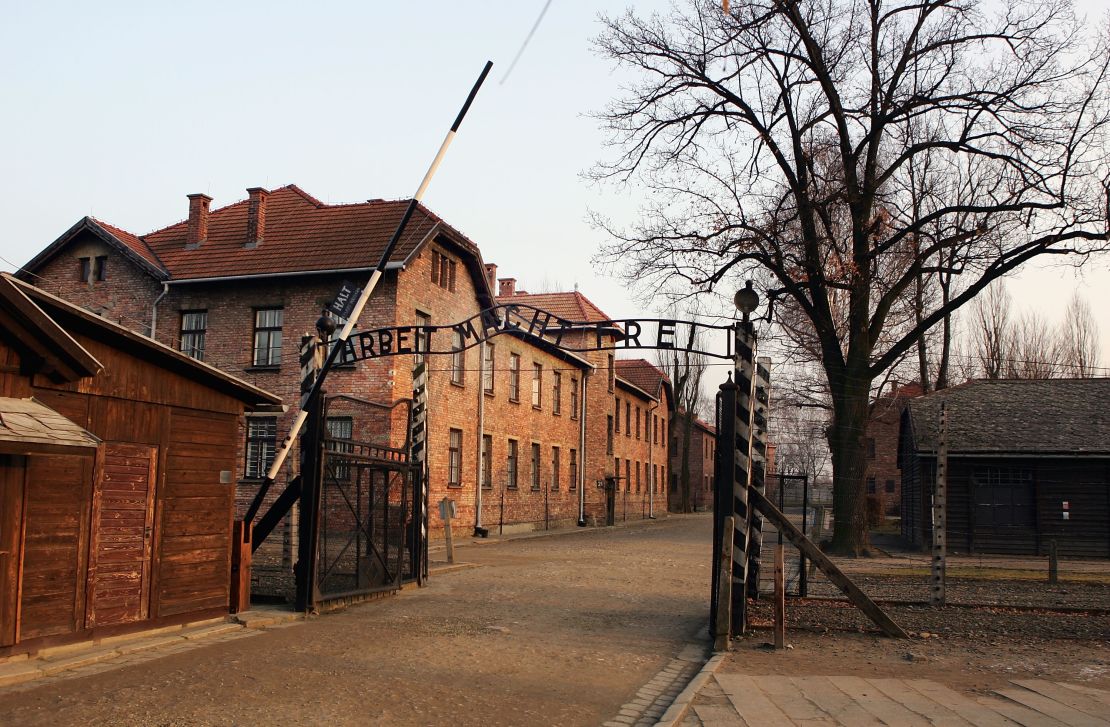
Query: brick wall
{"points": [[125, 296], [702, 450], [882, 470], [643, 461]]}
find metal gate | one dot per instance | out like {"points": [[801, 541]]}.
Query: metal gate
{"points": [[368, 513]]}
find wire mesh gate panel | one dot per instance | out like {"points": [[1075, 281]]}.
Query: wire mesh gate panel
{"points": [[368, 517]]}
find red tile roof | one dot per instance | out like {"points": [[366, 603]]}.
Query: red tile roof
{"points": [[641, 374], [572, 305], [301, 234], [132, 242]]}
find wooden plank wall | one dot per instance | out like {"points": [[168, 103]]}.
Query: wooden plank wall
{"points": [[196, 509]]}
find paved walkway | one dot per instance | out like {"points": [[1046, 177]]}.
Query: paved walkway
{"points": [[734, 700]]}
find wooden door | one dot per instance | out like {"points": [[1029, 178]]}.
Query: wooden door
{"points": [[122, 520], [12, 469]]}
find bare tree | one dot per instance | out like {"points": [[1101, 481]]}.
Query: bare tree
{"points": [[686, 370], [992, 331], [1035, 351], [780, 138], [1079, 342]]}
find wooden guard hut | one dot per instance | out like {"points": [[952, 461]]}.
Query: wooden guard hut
{"points": [[1028, 464], [117, 494]]}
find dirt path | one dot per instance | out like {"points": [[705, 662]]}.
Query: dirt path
{"points": [[553, 631]]}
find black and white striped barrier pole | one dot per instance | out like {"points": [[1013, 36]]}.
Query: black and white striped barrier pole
{"points": [[418, 456], [744, 378], [759, 468], [744, 375], [368, 289]]}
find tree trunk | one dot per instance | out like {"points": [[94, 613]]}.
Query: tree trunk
{"points": [[684, 468], [847, 446]]}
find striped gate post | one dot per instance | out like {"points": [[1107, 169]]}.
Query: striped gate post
{"points": [[744, 376], [759, 467], [311, 359], [418, 456]]}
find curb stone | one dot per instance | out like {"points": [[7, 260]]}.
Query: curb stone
{"points": [[681, 705]]}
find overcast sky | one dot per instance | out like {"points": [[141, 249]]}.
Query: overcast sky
{"points": [[120, 109]]}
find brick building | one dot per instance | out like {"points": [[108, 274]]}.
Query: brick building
{"points": [[628, 404], [883, 477], [703, 450], [517, 427]]}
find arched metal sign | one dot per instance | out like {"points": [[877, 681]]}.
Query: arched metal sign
{"points": [[528, 321]]}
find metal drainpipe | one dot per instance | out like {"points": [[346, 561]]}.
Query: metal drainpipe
{"points": [[154, 311], [481, 433], [582, 450], [651, 466]]}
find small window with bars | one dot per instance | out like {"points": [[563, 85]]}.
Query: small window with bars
{"points": [[261, 446]]}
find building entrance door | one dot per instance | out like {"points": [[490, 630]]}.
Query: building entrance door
{"points": [[610, 500], [122, 522]]}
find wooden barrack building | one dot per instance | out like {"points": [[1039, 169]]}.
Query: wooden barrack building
{"points": [[117, 491]]}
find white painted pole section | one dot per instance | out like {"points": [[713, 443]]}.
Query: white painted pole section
{"points": [[435, 165]]}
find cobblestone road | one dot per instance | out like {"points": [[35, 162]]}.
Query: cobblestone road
{"points": [[579, 629]]}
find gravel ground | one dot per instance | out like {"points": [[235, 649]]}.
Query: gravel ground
{"points": [[553, 631]]}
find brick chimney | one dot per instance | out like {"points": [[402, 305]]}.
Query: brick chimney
{"points": [[491, 276], [506, 287], [198, 220], [256, 216]]}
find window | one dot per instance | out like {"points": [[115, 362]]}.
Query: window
{"points": [[487, 462], [340, 428], [609, 436], [90, 268], [443, 271], [617, 417], [870, 485], [890, 486], [514, 377], [267, 336], [458, 357], [628, 419], [617, 472], [535, 466], [194, 324], [420, 343], [554, 468], [454, 458], [654, 429], [510, 465], [573, 469], [628, 475], [537, 382], [573, 397], [487, 367], [637, 477], [557, 393], [655, 478], [637, 422], [612, 373], [261, 446], [869, 443]]}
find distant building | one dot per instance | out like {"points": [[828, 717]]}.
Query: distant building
{"points": [[1028, 463], [882, 476]]}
